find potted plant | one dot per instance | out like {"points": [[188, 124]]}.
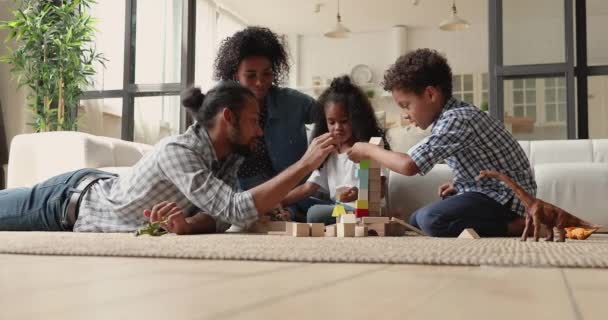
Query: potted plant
{"points": [[54, 57]]}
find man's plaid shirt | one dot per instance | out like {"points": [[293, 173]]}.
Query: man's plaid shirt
{"points": [[183, 169], [469, 140]]}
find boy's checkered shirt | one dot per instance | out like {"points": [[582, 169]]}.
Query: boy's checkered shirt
{"points": [[183, 169], [469, 140]]}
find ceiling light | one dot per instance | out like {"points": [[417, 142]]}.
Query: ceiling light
{"points": [[454, 23], [339, 31]]}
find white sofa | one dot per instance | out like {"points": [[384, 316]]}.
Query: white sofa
{"points": [[572, 174], [38, 156]]}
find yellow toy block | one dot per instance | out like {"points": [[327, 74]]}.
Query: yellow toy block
{"points": [[338, 210], [362, 204]]}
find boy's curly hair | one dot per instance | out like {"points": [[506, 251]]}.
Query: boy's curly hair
{"points": [[418, 69], [358, 107], [250, 42]]}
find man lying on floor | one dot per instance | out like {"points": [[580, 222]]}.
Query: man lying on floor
{"points": [[197, 168]]}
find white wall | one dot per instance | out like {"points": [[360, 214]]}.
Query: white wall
{"points": [[466, 51], [13, 100], [328, 58]]}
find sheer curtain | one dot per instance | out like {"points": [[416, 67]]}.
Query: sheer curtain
{"points": [[213, 25], [157, 60]]}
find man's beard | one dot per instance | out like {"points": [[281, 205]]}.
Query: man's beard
{"points": [[238, 148]]}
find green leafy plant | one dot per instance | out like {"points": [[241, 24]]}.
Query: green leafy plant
{"points": [[54, 57], [484, 106]]}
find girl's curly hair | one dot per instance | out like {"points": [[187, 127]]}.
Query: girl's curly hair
{"points": [[250, 42], [358, 107]]}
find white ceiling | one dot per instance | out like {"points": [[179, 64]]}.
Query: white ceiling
{"points": [[298, 16]]}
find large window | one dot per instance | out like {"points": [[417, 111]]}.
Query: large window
{"points": [[555, 100], [560, 46], [462, 87], [149, 62], [535, 108], [213, 25]]}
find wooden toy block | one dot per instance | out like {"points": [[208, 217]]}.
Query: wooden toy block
{"points": [[347, 218], [468, 233], [346, 230], [361, 204], [374, 199], [394, 229], [330, 230], [265, 227], [367, 220], [374, 187], [377, 141], [363, 184], [338, 210], [364, 164], [317, 229], [376, 229], [363, 174], [361, 213], [363, 194], [360, 231], [375, 173], [408, 226], [374, 165], [300, 230]]}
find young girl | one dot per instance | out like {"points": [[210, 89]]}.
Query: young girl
{"points": [[347, 113]]}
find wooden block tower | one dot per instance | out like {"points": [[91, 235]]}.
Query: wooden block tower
{"points": [[370, 186]]}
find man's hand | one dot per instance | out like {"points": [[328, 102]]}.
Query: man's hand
{"points": [[446, 190], [359, 151], [172, 215], [318, 150]]}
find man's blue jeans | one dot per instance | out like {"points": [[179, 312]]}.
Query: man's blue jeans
{"points": [[41, 207], [448, 217]]}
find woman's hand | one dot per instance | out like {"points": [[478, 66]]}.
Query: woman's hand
{"points": [[171, 216], [446, 190]]}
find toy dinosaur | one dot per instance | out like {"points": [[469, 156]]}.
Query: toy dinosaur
{"points": [[152, 228], [577, 233], [540, 212]]}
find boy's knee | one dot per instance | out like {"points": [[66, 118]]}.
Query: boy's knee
{"points": [[316, 214], [431, 223]]}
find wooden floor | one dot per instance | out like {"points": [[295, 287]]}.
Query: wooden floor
{"points": [[43, 287]]}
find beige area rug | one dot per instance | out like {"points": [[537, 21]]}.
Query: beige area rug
{"points": [[591, 253]]}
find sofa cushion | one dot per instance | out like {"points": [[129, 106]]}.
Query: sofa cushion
{"points": [[560, 151], [600, 150], [407, 194], [578, 189]]}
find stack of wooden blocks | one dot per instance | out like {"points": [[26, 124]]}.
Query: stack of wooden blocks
{"points": [[370, 186], [347, 225]]}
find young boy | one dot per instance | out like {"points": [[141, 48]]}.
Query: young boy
{"points": [[463, 136]]}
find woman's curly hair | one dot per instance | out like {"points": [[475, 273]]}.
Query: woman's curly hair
{"points": [[250, 42], [417, 70], [360, 112]]}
